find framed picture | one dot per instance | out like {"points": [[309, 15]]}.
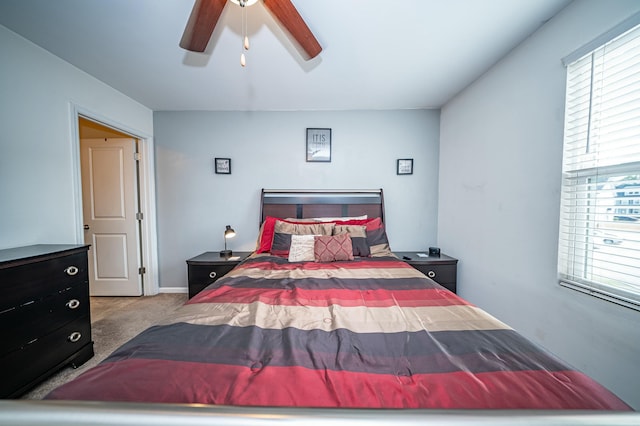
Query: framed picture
{"points": [[223, 166], [405, 166], [319, 145]]}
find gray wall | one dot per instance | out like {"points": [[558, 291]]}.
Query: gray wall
{"points": [[267, 150], [500, 170], [38, 183], [496, 205]]}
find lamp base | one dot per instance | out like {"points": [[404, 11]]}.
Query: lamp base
{"points": [[225, 253]]}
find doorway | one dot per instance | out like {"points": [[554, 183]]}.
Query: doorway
{"points": [[111, 209]]}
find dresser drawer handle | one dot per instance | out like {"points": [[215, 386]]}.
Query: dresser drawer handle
{"points": [[73, 303], [431, 274], [75, 336], [212, 274], [71, 270]]}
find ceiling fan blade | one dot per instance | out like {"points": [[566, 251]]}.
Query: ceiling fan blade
{"points": [[203, 19], [291, 20]]}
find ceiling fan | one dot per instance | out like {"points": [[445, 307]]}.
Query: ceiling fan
{"points": [[205, 14]]}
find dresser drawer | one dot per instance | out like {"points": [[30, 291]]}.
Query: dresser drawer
{"points": [[26, 366], [41, 317], [32, 281]]}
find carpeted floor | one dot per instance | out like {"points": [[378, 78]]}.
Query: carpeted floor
{"points": [[114, 320]]}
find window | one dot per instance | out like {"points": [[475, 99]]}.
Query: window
{"points": [[599, 243]]}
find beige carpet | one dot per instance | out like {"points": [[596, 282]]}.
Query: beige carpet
{"points": [[114, 320]]}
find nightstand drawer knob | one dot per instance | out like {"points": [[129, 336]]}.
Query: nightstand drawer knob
{"points": [[212, 274], [431, 274], [73, 303], [71, 270], [75, 336]]}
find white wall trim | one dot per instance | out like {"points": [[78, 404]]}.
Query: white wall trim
{"points": [[147, 190], [149, 227], [174, 290]]}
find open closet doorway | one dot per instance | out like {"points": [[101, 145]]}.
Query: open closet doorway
{"points": [[112, 215]]}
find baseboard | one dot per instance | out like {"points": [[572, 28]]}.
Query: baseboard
{"points": [[173, 290]]}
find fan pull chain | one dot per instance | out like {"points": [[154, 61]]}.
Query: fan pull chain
{"points": [[245, 40]]}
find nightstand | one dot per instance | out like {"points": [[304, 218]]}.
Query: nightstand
{"points": [[442, 270], [207, 267]]}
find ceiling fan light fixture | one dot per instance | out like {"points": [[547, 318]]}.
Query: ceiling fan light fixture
{"points": [[245, 38], [244, 3], [205, 14]]}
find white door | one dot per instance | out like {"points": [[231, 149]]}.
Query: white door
{"points": [[110, 200]]}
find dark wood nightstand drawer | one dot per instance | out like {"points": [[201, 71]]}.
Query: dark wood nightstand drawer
{"points": [[208, 267], [438, 273], [201, 276], [442, 269]]}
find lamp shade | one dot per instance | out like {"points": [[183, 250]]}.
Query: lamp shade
{"points": [[229, 232]]}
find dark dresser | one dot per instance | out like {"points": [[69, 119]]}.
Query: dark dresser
{"points": [[44, 313]]}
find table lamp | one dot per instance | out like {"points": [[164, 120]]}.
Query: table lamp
{"points": [[228, 233]]}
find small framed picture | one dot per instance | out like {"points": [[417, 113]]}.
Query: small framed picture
{"points": [[319, 145], [223, 166], [405, 166]]}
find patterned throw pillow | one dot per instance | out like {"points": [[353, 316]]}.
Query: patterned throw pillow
{"points": [[358, 234], [333, 248], [284, 230], [301, 249]]}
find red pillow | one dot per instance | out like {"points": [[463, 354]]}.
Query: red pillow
{"points": [[268, 230]]}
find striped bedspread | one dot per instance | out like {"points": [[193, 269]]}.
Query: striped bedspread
{"points": [[372, 332]]}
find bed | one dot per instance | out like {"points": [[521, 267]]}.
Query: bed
{"points": [[323, 315]]}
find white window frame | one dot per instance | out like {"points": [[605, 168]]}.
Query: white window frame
{"points": [[584, 204]]}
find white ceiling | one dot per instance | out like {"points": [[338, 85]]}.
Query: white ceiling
{"points": [[377, 54]]}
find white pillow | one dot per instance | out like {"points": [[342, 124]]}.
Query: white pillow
{"points": [[301, 249], [333, 219]]}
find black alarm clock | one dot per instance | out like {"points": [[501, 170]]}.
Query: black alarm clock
{"points": [[434, 251]]}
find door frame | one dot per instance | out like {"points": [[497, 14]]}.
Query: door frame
{"points": [[148, 239]]}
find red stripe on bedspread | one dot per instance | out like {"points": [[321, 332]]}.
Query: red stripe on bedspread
{"points": [[334, 296], [275, 263], [294, 386]]}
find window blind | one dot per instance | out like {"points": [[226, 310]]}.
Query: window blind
{"points": [[599, 243]]}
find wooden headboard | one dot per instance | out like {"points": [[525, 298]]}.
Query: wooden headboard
{"points": [[302, 204]]}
